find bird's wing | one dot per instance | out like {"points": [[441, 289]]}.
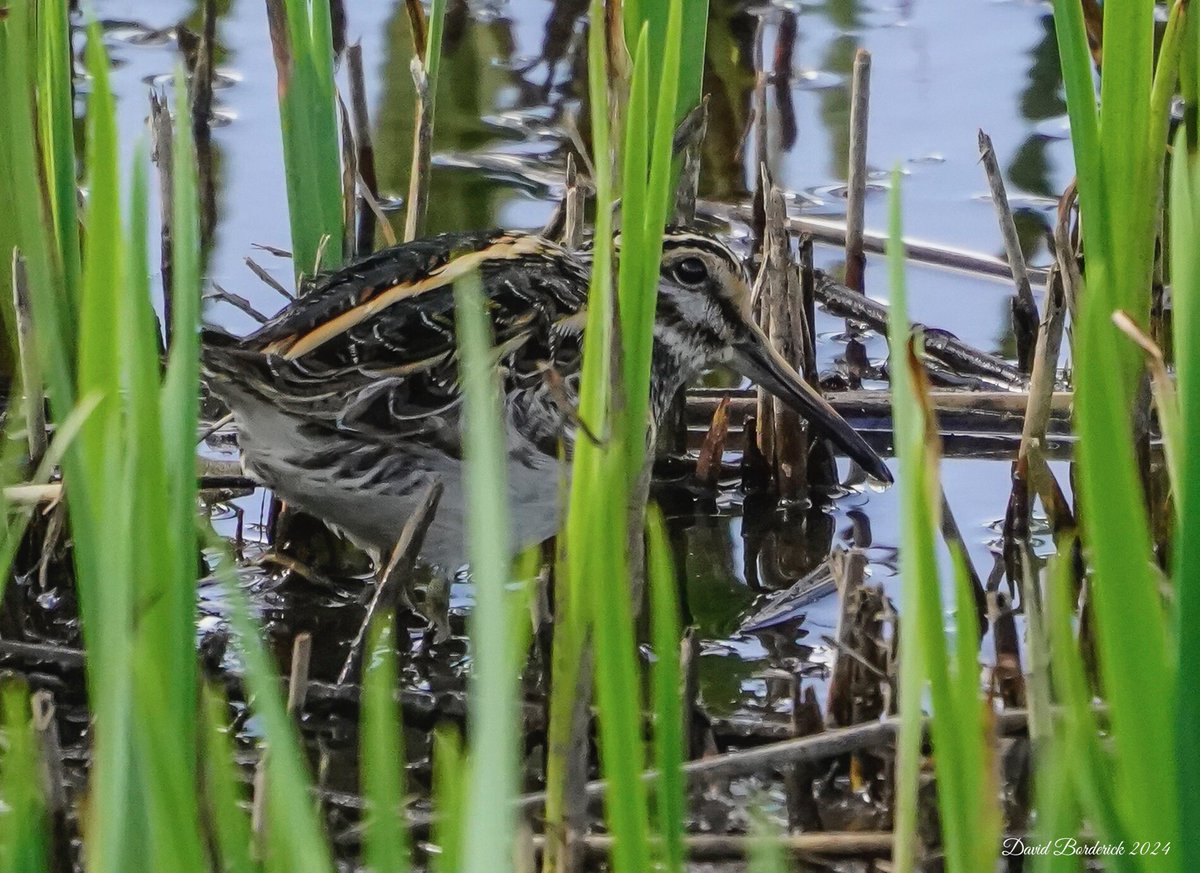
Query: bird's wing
{"points": [[372, 348]]}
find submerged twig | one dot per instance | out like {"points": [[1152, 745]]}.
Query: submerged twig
{"points": [[980, 412], [785, 752], [940, 345]]}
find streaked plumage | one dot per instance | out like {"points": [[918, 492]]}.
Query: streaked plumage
{"points": [[348, 402]]}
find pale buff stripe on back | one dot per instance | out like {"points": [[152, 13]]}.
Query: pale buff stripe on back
{"points": [[453, 271]]}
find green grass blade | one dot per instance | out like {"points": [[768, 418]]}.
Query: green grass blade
{"points": [[1057, 808], [179, 408], [99, 365], [1088, 762], [645, 208], [308, 116], [222, 793], [666, 690], [433, 45], [449, 790], [23, 821], [32, 225], [164, 657], [766, 853], [1185, 273], [56, 122], [655, 15], [492, 714], [295, 838], [598, 515], [385, 835], [913, 558], [1119, 192], [636, 297]]}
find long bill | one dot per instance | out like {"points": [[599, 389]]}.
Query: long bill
{"points": [[757, 360]]}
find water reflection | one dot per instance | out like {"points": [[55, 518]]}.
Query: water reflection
{"points": [[474, 83]]}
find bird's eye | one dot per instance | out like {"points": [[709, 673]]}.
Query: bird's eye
{"points": [[691, 271]]}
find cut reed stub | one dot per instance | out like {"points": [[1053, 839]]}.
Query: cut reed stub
{"points": [[708, 462]]}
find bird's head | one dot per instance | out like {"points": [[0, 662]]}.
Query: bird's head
{"points": [[703, 318]]}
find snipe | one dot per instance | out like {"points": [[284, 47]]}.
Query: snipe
{"points": [[348, 401]]}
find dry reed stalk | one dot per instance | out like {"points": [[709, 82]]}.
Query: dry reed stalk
{"points": [[203, 72], [833, 232], [1045, 363], [856, 187], [161, 140], [971, 412], [351, 202], [1066, 248], [364, 151], [419, 24], [787, 448], [270, 281], [418, 177], [689, 140], [803, 811], [573, 198], [858, 626], [1024, 307], [761, 132], [237, 301]]}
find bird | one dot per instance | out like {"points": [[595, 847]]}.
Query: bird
{"points": [[348, 403]]}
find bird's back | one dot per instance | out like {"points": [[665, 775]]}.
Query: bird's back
{"points": [[348, 401]]}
